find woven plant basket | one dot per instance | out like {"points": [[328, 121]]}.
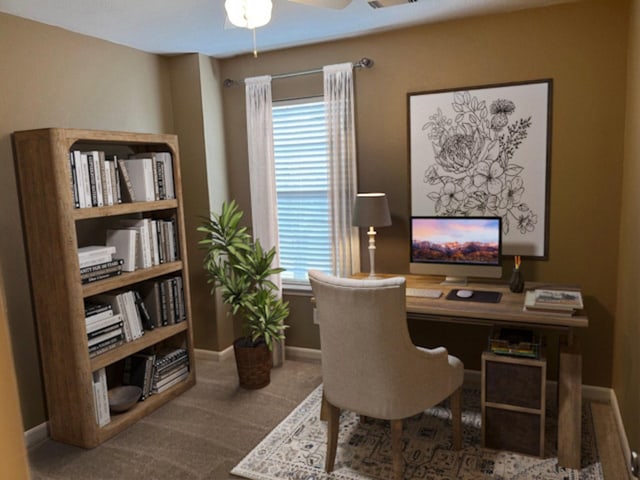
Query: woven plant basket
{"points": [[254, 365]]}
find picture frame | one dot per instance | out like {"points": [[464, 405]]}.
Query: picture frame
{"points": [[485, 151]]}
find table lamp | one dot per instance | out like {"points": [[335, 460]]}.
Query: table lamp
{"points": [[371, 210]]}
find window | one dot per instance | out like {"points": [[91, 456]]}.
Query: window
{"points": [[301, 163]]}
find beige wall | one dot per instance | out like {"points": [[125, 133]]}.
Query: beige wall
{"points": [[52, 78], [55, 78], [581, 46], [626, 358]]}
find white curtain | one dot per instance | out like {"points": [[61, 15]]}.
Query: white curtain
{"points": [[339, 104], [262, 176]]}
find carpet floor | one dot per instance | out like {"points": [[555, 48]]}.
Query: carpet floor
{"points": [[203, 434]]}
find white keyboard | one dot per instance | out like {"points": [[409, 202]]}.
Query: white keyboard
{"points": [[423, 292]]}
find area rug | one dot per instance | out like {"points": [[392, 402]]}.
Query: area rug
{"points": [[295, 449]]}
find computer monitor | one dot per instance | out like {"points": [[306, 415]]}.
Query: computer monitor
{"points": [[456, 247]]}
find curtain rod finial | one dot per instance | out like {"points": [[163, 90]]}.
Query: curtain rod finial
{"points": [[366, 62]]}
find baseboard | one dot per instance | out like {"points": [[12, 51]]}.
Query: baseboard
{"points": [[36, 435], [300, 353], [624, 441], [203, 354]]}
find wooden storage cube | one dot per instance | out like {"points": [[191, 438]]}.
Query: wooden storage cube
{"points": [[512, 430], [513, 384], [513, 403]]}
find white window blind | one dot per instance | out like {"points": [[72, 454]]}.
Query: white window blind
{"points": [[301, 162]]}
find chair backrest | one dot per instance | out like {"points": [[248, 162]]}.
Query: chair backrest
{"points": [[368, 358]]}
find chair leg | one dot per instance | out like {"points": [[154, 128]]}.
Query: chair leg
{"points": [[324, 409], [333, 424], [396, 449], [456, 418]]}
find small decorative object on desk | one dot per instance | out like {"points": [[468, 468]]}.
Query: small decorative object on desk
{"points": [[516, 284]]}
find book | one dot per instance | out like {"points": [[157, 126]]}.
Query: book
{"points": [[74, 181], [94, 327], [126, 187], [145, 255], [112, 161], [138, 370], [84, 182], [101, 339], [530, 305], [101, 275], [125, 243], [117, 302], [92, 251], [178, 375], [97, 267], [140, 171], [105, 346], [101, 397], [559, 299], [145, 316]]}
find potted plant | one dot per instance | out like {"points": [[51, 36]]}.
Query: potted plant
{"points": [[241, 268]]}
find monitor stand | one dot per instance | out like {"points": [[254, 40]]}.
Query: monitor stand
{"points": [[455, 281]]}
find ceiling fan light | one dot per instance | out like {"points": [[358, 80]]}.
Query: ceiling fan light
{"points": [[248, 13]]}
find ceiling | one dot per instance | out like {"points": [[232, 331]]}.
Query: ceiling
{"points": [[188, 26]]}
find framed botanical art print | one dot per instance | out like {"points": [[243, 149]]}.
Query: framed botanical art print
{"points": [[485, 151]]}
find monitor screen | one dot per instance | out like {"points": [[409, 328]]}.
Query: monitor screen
{"points": [[457, 247]]}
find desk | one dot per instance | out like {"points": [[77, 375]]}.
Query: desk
{"points": [[509, 312]]}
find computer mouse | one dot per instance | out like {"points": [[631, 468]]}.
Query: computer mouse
{"points": [[464, 293]]}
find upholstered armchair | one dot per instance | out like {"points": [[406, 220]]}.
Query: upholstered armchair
{"points": [[370, 365]]}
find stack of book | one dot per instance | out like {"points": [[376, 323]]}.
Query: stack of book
{"points": [[553, 302], [127, 305], [164, 300], [104, 328], [148, 176], [94, 179], [170, 367], [97, 262], [138, 370], [144, 242]]}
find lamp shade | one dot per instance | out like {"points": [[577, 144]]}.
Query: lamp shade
{"points": [[248, 13], [371, 210]]}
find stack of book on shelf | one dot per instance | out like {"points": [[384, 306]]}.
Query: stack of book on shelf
{"points": [[97, 262], [170, 367], [126, 304], [94, 179], [138, 370], [144, 242], [164, 300], [101, 397], [104, 328], [148, 176], [553, 302]]}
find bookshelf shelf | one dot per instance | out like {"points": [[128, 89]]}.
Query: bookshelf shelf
{"points": [[129, 278], [123, 209], [54, 229]]}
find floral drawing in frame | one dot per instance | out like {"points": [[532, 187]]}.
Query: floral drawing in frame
{"points": [[485, 151]]}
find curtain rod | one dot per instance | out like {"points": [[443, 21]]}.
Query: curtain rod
{"points": [[362, 63]]}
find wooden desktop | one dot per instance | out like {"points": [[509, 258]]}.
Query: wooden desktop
{"points": [[509, 311]]}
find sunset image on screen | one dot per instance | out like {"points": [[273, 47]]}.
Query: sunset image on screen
{"points": [[456, 240]]}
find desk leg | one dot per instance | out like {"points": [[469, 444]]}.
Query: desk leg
{"points": [[570, 404]]}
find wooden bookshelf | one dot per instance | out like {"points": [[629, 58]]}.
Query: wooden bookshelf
{"points": [[54, 229]]}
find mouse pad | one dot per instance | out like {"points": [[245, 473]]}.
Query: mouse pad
{"points": [[478, 296]]}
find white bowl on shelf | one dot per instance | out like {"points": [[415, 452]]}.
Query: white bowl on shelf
{"points": [[124, 397]]}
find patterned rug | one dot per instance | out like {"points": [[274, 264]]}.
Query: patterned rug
{"points": [[295, 449]]}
